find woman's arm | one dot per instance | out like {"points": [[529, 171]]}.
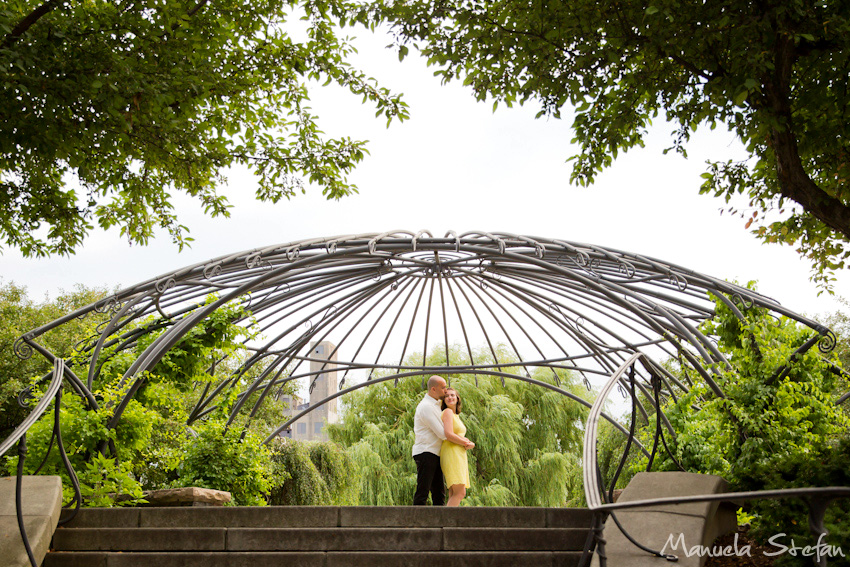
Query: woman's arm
{"points": [[448, 428]]}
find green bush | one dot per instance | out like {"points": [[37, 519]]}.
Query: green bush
{"points": [[777, 427], [218, 458], [313, 474]]}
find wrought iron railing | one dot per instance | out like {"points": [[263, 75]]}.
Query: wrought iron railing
{"points": [[19, 436], [601, 502]]}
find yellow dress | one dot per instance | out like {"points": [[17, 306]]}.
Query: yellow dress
{"points": [[453, 456]]}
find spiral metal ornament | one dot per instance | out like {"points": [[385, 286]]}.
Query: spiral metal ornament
{"points": [[827, 342], [165, 284], [742, 301], [22, 348], [679, 281], [626, 268], [110, 304], [212, 270]]}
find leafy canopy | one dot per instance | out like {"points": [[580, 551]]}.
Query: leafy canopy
{"points": [[109, 108], [775, 73]]}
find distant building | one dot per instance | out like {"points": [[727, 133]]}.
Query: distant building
{"points": [[312, 426]]}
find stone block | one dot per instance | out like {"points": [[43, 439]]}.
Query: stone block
{"points": [[333, 539], [216, 560], [653, 530], [137, 539], [442, 559], [513, 539], [41, 502], [671, 484], [102, 518], [241, 517], [440, 516], [568, 518], [566, 558], [75, 559]]}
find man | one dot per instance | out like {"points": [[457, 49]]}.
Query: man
{"points": [[429, 436]]}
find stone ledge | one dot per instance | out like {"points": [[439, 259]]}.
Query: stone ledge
{"points": [[699, 523], [41, 500], [315, 559]]}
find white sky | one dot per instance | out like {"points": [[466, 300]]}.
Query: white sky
{"points": [[455, 165]]}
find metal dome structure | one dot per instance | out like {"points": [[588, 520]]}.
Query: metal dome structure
{"points": [[529, 302], [517, 307]]}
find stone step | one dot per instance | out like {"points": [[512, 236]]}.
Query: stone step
{"points": [[331, 516], [319, 539], [316, 559]]}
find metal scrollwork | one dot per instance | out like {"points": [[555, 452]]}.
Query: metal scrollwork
{"points": [[256, 260], [331, 247], [165, 284], [89, 342], [744, 302], [25, 397], [330, 312], [827, 342], [293, 253], [252, 260], [212, 270], [679, 281], [22, 348], [386, 267], [283, 288], [626, 268], [590, 268], [110, 304]]}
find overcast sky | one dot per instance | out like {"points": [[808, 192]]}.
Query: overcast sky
{"points": [[456, 165]]}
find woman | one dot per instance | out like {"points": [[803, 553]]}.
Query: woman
{"points": [[453, 451]]}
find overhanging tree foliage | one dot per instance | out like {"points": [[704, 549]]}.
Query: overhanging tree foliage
{"points": [[776, 73], [109, 108]]}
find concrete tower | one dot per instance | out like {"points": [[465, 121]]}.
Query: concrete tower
{"points": [[312, 426]]}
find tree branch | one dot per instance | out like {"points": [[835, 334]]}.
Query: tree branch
{"points": [[28, 22], [794, 182]]}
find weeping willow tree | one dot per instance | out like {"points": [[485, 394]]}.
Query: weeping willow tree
{"points": [[527, 438]]}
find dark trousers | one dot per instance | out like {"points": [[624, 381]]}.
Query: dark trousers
{"points": [[429, 478]]}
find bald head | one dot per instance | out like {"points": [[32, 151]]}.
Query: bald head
{"points": [[436, 387]]}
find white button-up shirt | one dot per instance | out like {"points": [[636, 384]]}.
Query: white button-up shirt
{"points": [[428, 427]]}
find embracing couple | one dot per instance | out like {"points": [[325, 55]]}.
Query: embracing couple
{"points": [[440, 447]]}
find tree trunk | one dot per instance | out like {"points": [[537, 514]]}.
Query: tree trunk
{"points": [[794, 182]]}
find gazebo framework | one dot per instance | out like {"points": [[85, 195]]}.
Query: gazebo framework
{"points": [[526, 302], [493, 303]]}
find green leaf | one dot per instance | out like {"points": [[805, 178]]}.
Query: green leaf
{"points": [[740, 98]]}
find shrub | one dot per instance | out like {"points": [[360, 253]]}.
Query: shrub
{"points": [[313, 474]]}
